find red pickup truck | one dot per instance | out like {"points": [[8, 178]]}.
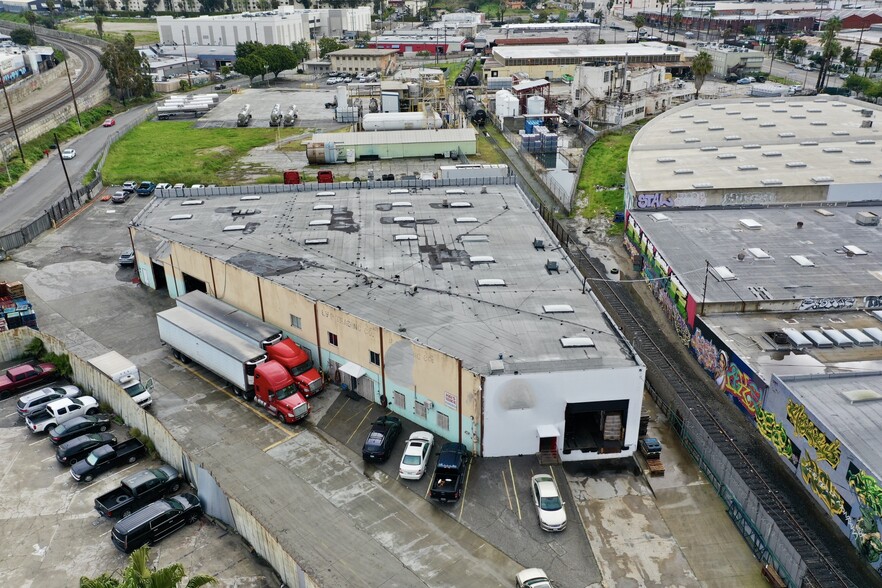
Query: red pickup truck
{"points": [[21, 376]]}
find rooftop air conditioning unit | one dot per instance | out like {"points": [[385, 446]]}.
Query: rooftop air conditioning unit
{"points": [[867, 219]]}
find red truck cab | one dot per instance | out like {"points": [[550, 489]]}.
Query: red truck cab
{"points": [[325, 176], [298, 363], [24, 375], [276, 391]]}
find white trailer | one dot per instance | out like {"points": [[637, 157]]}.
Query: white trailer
{"points": [[192, 337], [248, 328], [126, 374]]}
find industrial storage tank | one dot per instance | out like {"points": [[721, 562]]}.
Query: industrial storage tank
{"points": [[466, 77], [535, 105], [507, 105], [400, 121], [320, 153]]}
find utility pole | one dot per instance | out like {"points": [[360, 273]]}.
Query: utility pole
{"points": [[187, 61], [63, 166], [704, 293], [11, 118], [72, 93]]}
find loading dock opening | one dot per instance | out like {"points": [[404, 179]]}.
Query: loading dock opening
{"points": [[191, 284], [595, 427], [158, 275]]}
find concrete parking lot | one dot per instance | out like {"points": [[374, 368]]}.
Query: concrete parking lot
{"points": [[311, 111], [52, 535]]}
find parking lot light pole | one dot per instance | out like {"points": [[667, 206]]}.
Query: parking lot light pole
{"points": [[72, 93], [11, 118], [63, 166]]}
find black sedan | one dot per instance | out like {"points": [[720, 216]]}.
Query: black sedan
{"points": [[93, 423], [70, 452], [384, 432]]}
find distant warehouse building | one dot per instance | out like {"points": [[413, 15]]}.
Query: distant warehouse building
{"points": [[451, 305], [362, 60], [397, 144], [435, 41]]}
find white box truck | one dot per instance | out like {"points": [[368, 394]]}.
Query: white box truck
{"points": [[125, 374]]}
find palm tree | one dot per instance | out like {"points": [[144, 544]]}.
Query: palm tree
{"points": [[661, 17], [711, 13], [138, 575], [702, 65], [99, 25], [830, 49], [32, 20]]}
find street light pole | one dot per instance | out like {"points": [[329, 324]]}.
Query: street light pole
{"points": [[11, 118], [186, 60], [64, 167], [72, 93]]}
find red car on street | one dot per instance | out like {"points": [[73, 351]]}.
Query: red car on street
{"points": [[19, 377], [109, 122]]}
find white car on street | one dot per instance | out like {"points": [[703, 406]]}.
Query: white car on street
{"points": [[68, 154], [549, 506], [533, 578], [416, 455]]}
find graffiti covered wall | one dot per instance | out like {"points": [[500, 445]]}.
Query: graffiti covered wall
{"points": [[835, 477]]}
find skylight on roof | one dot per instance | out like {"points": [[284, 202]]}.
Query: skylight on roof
{"points": [[683, 171], [474, 238], [855, 250], [772, 154], [822, 179], [818, 123], [860, 160], [823, 212], [722, 273], [665, 159], [177, 217], [691, 140], [250, 198], [659, 216], [677, 131], [832, 150], [732, 138], [771, 182], [323, 207], [752, 146], [454, 191], [230, 228], [402, 204], [702, 185], [865, 142], [556, 308], [572, 342], [750, 223], [759, 253], [863, 395], [795, 164], [399, 191], [803, 260], [766, 125], [460, 205], [841, 133], [747, 167], [708, 148], [325, 193], [403, 219], [409, 237], [487, 282], [726, 156], [319, 222], [808, 143], [192, 202], [318, 241], [466, 219], [482, 259]]}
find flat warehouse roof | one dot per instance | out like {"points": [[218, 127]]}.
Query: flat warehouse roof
{"points": [[585, 51], [757, 143], [464, 279], [397, 137], [855, 423], [822, 268]]}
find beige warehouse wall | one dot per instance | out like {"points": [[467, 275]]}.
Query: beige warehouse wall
{"points": [[356, 337], [279, 303], [191, 262], [236, 286]]}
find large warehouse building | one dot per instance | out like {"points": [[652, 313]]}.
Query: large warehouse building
{"points": [[756, 224], [453, 306]]}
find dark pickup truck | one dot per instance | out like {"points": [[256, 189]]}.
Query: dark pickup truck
{"points": [[449, 478], [105, 458], [138, 490], [27, 374]]}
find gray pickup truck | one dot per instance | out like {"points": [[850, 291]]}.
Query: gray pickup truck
{"points": [[138, 490]]}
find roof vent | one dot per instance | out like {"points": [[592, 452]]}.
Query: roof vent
{"points": [[772, 154], [320, 222], [250, 198], [406, 237], [323, 207], [747, 167], [726, 156], [192, 202], [795, 164], [551, 266], [752, 146], [659, 216], [230, 228], [466, 219], [867, 219], [683, 171], [750, 223], [665, 159], [402, 204], [708, 148], [771, 182], [865, 142], [822, 180], [556, 308], [823, 211], [482, 259], [318, 241], [571, 342], [732, 138], [860, 160], [803, 260], [808, 143], [487, 282], [702, 185], [786, 135], [460, 205], [325, 193]]}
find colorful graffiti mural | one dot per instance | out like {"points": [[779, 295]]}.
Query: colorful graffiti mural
{"points": [[867, 490], [774, 431], [803, 426], [727, 374], [866, 536], [820, 483]]}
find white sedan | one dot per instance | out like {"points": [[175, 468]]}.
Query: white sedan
{"points": [[68, 154], [533, 578], [549, 506], [416, 455]]}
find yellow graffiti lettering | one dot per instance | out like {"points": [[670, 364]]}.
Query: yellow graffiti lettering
{"points": [[803, 426], [774, 431], [821, 484]]}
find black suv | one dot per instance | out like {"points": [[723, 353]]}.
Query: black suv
{"points": [[70, 452], [379, 442], [155, 521]]}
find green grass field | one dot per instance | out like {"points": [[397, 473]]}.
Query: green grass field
{"points": [[178, 152], [602, 178]]}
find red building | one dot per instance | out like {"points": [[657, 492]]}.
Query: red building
{"points": [[435, 44]]}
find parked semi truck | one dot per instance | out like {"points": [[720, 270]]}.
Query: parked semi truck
{"points": [[126, 374], [242, 364], [276, 116], [244, 117], [260, 334]]}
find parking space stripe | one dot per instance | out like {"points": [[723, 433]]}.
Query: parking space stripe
{"points": [[47, 459], [342, 406], [280, 441], [465, 486], [354, 431], [35, 442], [514, 488], [507, 493], [234, 397]]}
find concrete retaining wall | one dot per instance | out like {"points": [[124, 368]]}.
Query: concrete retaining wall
{"points": [[24, 90], [12, 345]]}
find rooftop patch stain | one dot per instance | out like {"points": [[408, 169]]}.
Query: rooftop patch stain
{"points": [[341, 220], [266, 265], [437, 255]]}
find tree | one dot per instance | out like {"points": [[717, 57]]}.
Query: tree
{"points": [[662, 9], [31, 19], [702, 66], [301, 51], [329, 45], [50, 6], [711, 14], [23, 36], [278, 58], [138, 575], [782, 43], [250, 66], [748, 30], [858, 84], [639, 21], [830, 49], [246, 48], [797, 47], [126, 69], [847, 56], [876, 58], [99, 25], [500, 9]]}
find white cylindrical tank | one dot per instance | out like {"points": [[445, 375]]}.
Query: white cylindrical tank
{"points": [[535, 105], [342, 95], [413, 90], [400, 121], [507, 104]]}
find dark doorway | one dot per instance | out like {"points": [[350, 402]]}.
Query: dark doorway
{"points": [[548, 444], [191, 284], [158, 275], [595, 427]]}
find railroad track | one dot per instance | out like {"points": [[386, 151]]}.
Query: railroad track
{"points": [[91, 76], [823, 570]]}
